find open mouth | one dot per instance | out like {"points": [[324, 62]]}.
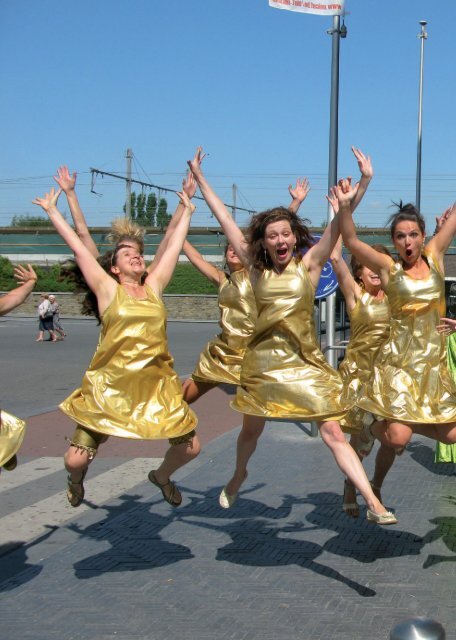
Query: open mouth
{"points": [[408, 252], [282, 252]]}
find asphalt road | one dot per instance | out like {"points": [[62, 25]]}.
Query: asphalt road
{"points": [[37, 376]]}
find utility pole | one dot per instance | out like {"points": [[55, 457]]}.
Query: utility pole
{"points": [[234, 201], [129, 156], [423, 36]]}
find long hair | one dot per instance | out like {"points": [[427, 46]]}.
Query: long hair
{"points": [[124, 230], [257, 229], [356, 265], [406, 212]]}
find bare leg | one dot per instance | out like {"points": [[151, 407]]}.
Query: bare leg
{"points": [[383, 463], [177, 456], [350, 504], [252, 428], [194, 389], [392, 434], [349, 463], [445, 433], [77, 462], [40, 336]]}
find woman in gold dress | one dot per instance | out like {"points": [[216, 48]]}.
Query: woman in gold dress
{"points": [[12, 429], [221, 360], [284, 374], [130, 389], [411, 385]]}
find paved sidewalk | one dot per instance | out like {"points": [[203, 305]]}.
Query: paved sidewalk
{"points": [[285, 563]]}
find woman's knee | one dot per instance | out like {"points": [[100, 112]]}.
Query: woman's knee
{"points": [[76, 459], [398, 435], [331, 433]]}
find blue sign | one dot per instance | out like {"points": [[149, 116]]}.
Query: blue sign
{"points": [[328, 281]]}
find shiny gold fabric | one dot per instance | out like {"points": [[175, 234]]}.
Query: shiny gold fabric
{"points": [[411, 382], [12, 432], [130, 388], [369, 329], [222, 358], [284, 373]]}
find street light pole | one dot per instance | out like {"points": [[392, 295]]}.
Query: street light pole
{"points": [[423, 36]]}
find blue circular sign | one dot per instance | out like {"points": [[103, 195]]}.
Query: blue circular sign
{"points": [[328, 281]]}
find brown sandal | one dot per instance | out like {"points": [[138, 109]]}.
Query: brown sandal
{"points": [[75, 498], [172, 496]]}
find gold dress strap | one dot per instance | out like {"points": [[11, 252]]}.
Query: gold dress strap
{"points": [[130, 389]]}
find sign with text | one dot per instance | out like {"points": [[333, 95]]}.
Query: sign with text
{"points": [[307, 6]]}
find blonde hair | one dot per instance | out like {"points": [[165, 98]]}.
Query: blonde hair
{"points": [[123, 229]]}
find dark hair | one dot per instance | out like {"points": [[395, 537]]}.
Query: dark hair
{"points": [[356, 265], [257, 229], [406, 212]]}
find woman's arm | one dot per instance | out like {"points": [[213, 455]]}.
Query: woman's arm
{"points": [[229, 226], [67, 183], [298, 194], [189, 187], [438, 245], [165, 265], [103, 285], [367, 172], [377, 262], [206, 268], [27, 280]]}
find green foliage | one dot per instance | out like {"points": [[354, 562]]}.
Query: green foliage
{"points": [[163, 217], [151, 209], [187, 279], [30, 221], [145, 212]]}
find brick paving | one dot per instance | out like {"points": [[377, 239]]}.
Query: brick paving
{"points": [[284, 563]]}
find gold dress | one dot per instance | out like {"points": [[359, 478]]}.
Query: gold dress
{"points": [[369, 329], [284, 373], [130, 388], [12, 432], [222, 358], [411, 382]]}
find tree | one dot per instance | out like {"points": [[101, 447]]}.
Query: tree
{"points": [[30, 221], [163, 216], [151, 209]]}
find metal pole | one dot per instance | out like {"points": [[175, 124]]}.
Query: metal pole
{"points": [[129, 156], [234, 201], [423, 36], [335, 32]]}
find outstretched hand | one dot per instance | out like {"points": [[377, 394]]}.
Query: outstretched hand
{"points": [[364, 163], [447, 326], [23, 274], [345, 191], [189, 184], [332, 199], [440, 220], [195, 162], [65, 180], [49, 200], [185, 200], [300, 191]]}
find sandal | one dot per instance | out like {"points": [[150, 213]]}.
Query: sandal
{"points": [[350, 508], [11, 464], [172, 495], [387, 517], [75, 498], [225, 500]]}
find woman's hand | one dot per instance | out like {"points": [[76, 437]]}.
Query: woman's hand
{"points": [[189, 185], [300, 191], [49, 200], [65, 180], [447, 326], [24, 275], [195, 163], [345, 191], [364, 163], [185, 200], [332, 199]]}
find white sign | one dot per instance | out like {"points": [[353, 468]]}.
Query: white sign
{"points": [[308, 6]]}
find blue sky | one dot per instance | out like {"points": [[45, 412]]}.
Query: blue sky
{"points": [[82, 82]]}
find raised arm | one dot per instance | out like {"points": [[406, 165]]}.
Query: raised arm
{"points": [[439, 244], [377, 262], [206, 268], [165, 265], [67, 182], [229, 226], [365, 166], [103, 285], [27, 279], [298, 194]]}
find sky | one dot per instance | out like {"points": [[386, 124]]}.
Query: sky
{"points": [[81, 82]]}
